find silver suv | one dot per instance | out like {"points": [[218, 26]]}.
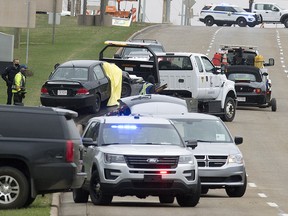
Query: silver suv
{"points": [[141, 156], [220, 162], [225, 14]]}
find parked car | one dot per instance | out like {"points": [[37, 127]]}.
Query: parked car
{"points": [[80, 84], [226, 14], [253, 87], [153, 104], [41, 153], [220, 161], [137, 156]]}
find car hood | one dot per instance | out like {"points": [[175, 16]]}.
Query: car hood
{"points": [[167, 150], [207, 148]]}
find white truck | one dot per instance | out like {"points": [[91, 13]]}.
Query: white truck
{"points": [[192, 75], [188, 75], [271, 12]]}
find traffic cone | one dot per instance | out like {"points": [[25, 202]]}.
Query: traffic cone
{"points": [[224, 59]]}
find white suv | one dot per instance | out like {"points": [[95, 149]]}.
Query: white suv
{"points": [[225, 14], [141, 156]]}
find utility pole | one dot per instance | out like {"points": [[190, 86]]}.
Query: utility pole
{"points": [[103, 4], [166, 11], [139, 11], [54, 21]]}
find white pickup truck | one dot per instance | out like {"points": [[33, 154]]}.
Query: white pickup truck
{"points": [[271, 12], [192, 75]]}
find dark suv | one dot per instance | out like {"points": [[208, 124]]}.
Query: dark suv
{"points": [[41, 152]]}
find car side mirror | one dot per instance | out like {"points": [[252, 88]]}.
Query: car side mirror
{"points": [[215, 70], [238, 140], [265, 74], [191, 143], [271, 62], [116, 55], [88, 142]]}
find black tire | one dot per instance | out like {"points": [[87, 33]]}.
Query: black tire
{"points": [[242, 22], [220, 24], [273, 105], [209, 21], [286, 23], [233, 191], [190, 200], [126, 90], [97, 105], [14, 179], [80, 195], [204, 190], [229, 110], [251, 25], [166, 199], [96, 194]]}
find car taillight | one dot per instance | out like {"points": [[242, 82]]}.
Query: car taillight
{"points": [[163, 172], [69, 151], [257, 91], [44, 90], [82, 91]]}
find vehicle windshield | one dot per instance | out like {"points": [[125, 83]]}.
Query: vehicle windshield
{"points": [[128, 51], [73, 73], [203, 130], [160, 134]]}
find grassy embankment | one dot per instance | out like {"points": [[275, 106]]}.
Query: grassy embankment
{"points": [[71, 42]]}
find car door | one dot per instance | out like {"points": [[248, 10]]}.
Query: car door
{"points": [[269, 12], [213, 81], [230, 14], [220, 13], [202, 79], [101, 82]]}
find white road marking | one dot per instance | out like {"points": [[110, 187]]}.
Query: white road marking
{"points": [[253, 185], [271, 204], [262, 195]]}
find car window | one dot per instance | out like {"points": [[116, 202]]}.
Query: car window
{"points": [[206, 7], [202, 129], [175, 63], [160, 134], [242, 77], [198, 61], [64, 73], [207, 64], [98, 72], [219, 8], [92, 131]]}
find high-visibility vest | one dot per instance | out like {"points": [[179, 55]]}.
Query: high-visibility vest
{"points": [[146, 88], [18, 83]]}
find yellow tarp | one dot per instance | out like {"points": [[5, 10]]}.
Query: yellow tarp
{"points": [[115, 75]]}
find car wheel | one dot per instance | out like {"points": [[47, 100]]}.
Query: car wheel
{"points": [[242, 22], [96, 194], [14, 188], [286, 23], [234, 191], [229, 110], [126, 90], [80, 195], [209, 21], [97, 104], [204, 190], [166, 199], [190, 200], [251, 25], [273, 104]]}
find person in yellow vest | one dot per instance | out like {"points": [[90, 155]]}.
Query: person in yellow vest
{"points": [[18, 86], [148, 87]]}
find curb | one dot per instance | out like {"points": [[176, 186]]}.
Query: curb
{"points": [[55, 205], [143, 30]]}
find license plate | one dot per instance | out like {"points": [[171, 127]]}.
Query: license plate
{"points": [[62, 92], [241, 99], [152, 178]]}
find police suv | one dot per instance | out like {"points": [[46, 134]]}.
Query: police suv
{"points": [[225, 14]]}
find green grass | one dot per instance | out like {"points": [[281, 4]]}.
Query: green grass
{"points": [[71, 42]]}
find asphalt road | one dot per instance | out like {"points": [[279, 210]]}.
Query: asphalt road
{"points": [[265, 146]]}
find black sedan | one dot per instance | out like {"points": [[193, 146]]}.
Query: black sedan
{"points": [[252, 85], [77, 84]]}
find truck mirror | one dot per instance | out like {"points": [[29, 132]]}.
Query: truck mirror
{"points": [[238, 140], [191, 143], [116, 55], [88, 142], [271, 62]]}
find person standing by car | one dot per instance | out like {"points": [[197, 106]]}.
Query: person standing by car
{"points": [[148, 87], [8, 77], [18, 86]]}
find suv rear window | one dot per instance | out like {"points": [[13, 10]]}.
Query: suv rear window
{"points": [[206, 7]]}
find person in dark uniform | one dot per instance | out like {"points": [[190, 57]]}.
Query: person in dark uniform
{"points": [[8, 77]]}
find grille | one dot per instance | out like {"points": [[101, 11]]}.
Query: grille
{"points": [[156, 162], [211, 160]]}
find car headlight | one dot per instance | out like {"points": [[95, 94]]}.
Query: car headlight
{"points": [[186, 159], [114, 158], [237, 158]]}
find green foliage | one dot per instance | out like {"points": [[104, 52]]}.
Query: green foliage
{"points": [[71, 41]]}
